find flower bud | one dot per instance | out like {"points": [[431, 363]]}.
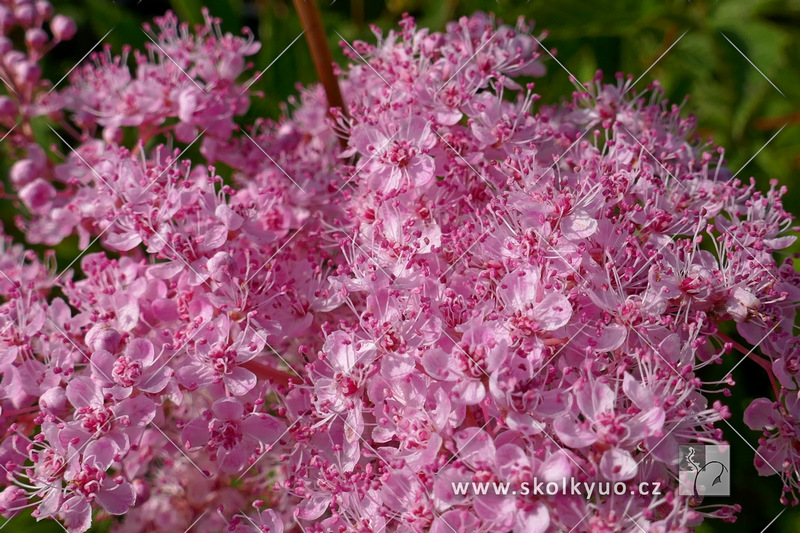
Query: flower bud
{"points": [[6, 18], [63, 28], [22, 172], [45, 9], [36, 38], [102, 337], [8, 109], [38, 196], [26, 15], [54, 400]]}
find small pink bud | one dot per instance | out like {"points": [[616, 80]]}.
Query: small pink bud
{"points": [[36, 38], [38, 196], [45, 9], [23, 171], [63, 28], [26, 15]]}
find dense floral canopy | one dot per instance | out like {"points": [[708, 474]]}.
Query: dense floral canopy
{"points": [[471, 290]]}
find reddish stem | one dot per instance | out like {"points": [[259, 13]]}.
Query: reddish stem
{"points": [[763, 363], [263, 371], [310, 17]]}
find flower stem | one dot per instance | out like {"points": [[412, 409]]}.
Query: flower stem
{"points": [[263, 371], [308, 10], [763, 363]]}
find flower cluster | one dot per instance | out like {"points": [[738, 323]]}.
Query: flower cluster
{"points": [[473, 289]]}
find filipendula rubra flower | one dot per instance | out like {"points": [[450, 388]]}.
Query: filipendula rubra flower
{"points": [[472, 289]]}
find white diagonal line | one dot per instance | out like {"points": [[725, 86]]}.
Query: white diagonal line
{"points": [[654, 63], [276, 253], [359, 169], [645, 456], [181, 347], [559, 350], [390, 467], [53, 88], [655, 158], [176, 64], [585, 281], [634, 521], [168, 166], [572, 78], [746, 249], [540, 427], [455, 343], [273, 62], [759, 151], [182, 452], [362, 58], [567, 150], [241, 511], [117, 217], [773, 520], [655, 351], [196, 521], [481, 47], [9, 131], [273, 161], [10, 87], [751, 350], [454, 263], [457, 453], [87, 248], [464, 160], [753, 64], [269, 448], [751, 447], [179, 256], [579, 521], [85, 162], [78, 348], [371, 258], [278, 354]]}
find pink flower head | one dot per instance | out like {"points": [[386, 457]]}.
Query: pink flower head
{"points": [[233, 437]]}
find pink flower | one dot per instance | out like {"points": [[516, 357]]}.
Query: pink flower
{"points": [[231, 435], [399, 152]]}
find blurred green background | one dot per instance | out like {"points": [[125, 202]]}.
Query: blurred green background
{"points": [[734, 104]]}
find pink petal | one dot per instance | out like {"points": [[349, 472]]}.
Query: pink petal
{"points": [[100, 453], [761, 414], [475, 446], [557, 467], [141, 350], [264, 428], [77, 514], [553, 312], [618, 465], [116, 499], [154, 379], [232, 460], [571, 434], [239, 381], [103, 366], [165, 310], [195, 433], [82, 391], [595, 398], [533, 520], [228, 409]]}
